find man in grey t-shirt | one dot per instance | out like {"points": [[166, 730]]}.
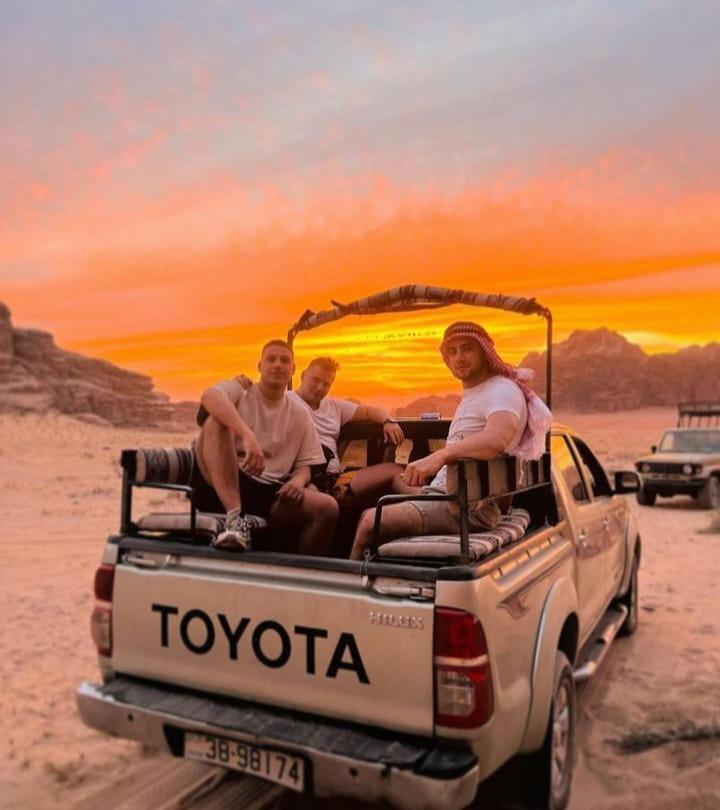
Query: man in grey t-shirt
{"points": [[254, 454]]}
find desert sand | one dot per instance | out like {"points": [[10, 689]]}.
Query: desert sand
{"points": [[59, 492]]}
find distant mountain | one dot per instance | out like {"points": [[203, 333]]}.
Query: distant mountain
{"points": [[600, 370], [36, 375], [445, 406]]}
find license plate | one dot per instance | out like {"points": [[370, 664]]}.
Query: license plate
{"points": [[275, 766]]}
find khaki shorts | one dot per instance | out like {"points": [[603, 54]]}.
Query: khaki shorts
{"points": [[437, 517]]}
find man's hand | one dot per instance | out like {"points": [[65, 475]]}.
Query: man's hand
{"points": [[245, 382], [419, 472], [254, 461], [291, 493], [393, 433]]}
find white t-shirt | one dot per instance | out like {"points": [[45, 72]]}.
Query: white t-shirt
{"points": [[329, 417], [477, 403], [284, 431]]}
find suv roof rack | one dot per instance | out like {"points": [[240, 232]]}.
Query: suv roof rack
{"points": [[706, 414]]}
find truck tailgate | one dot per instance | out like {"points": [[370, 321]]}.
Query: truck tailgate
{"points": [[309, 640]]}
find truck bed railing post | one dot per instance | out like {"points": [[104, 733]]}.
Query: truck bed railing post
{"points": [[125, 503], [548, 361], [463, 503]]}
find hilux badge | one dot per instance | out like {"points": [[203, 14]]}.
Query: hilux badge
{"points": [[391, 620]]}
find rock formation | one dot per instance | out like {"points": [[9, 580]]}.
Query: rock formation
{"points": [[445, 406], [600, 370], [36, 375]]}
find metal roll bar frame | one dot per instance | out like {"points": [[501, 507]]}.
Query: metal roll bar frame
{"points": [[414, 297]]}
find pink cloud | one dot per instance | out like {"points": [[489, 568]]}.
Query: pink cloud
{"points": [[39, 192]]}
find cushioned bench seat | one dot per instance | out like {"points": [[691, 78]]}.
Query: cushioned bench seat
{"points": [[511, 528], [166, 468], [179, 522]]}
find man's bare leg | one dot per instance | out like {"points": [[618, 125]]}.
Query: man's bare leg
{"points": [[316, 516], [217, 458], [371, 483], [398, 520]]}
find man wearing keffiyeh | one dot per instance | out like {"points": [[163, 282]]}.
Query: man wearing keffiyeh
{"points": [[499, 413]]}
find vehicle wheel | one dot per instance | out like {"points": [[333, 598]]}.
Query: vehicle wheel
{"points": [[710, 494], [550, 769], [631, 601], [645, 496]]}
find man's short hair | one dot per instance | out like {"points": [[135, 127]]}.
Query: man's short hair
{"points": [[325, 363], [278, 342]]}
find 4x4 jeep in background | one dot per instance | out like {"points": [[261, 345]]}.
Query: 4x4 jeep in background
{"points": [[687, 460]]}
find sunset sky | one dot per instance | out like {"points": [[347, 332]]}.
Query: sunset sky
{"points": [[179, 181]]}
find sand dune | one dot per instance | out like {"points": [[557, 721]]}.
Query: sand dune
{"points": [[59, 492]]}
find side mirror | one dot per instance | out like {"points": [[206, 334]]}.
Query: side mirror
{"points": [[626, 481], [653, 449]]}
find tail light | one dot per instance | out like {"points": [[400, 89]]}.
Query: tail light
{"points": [[101, 620], [463, 683]]}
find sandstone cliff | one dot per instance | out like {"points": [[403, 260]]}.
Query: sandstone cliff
{"points": [[36, 375], [600, 370], [445, 406]]}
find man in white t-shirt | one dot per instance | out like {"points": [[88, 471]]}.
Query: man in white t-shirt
{"points": [[329, 415], [490, 420], [254, 456]]}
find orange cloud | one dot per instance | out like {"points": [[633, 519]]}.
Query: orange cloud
{"points": [[187, 286]]}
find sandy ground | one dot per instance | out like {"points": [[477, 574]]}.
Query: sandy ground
{"points": [[59, 492]]}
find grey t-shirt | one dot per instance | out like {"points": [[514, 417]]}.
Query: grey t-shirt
{"points": [[283, 428]]}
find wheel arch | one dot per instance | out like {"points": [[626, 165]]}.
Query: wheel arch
{"points": [[558, 630], [633, 547]]}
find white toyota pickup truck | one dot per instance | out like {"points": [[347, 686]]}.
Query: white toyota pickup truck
{"points": [[408, 677]]}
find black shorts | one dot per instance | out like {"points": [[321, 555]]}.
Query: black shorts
{"points": [[256, 497]]}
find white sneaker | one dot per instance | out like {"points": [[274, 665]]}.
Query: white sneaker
{"points": [[236, 536]]}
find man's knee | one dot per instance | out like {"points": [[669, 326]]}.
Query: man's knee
{"points": [[367, 518], [320, 504], [211, 427], [315, 506], [367, 522]]}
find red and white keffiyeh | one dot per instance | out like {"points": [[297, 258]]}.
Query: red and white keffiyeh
{"points": [[539, 421]]}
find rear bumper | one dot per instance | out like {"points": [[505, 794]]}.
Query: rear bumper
{"points": [[365, 763]]}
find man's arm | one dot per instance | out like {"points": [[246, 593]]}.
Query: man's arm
{"points": [[374, 413], [483, 445], [219, 405], [488, 443]]}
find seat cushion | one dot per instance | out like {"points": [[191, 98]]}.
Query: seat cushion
{"points": [[510, 529], [206, 522], [209, 523]]}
